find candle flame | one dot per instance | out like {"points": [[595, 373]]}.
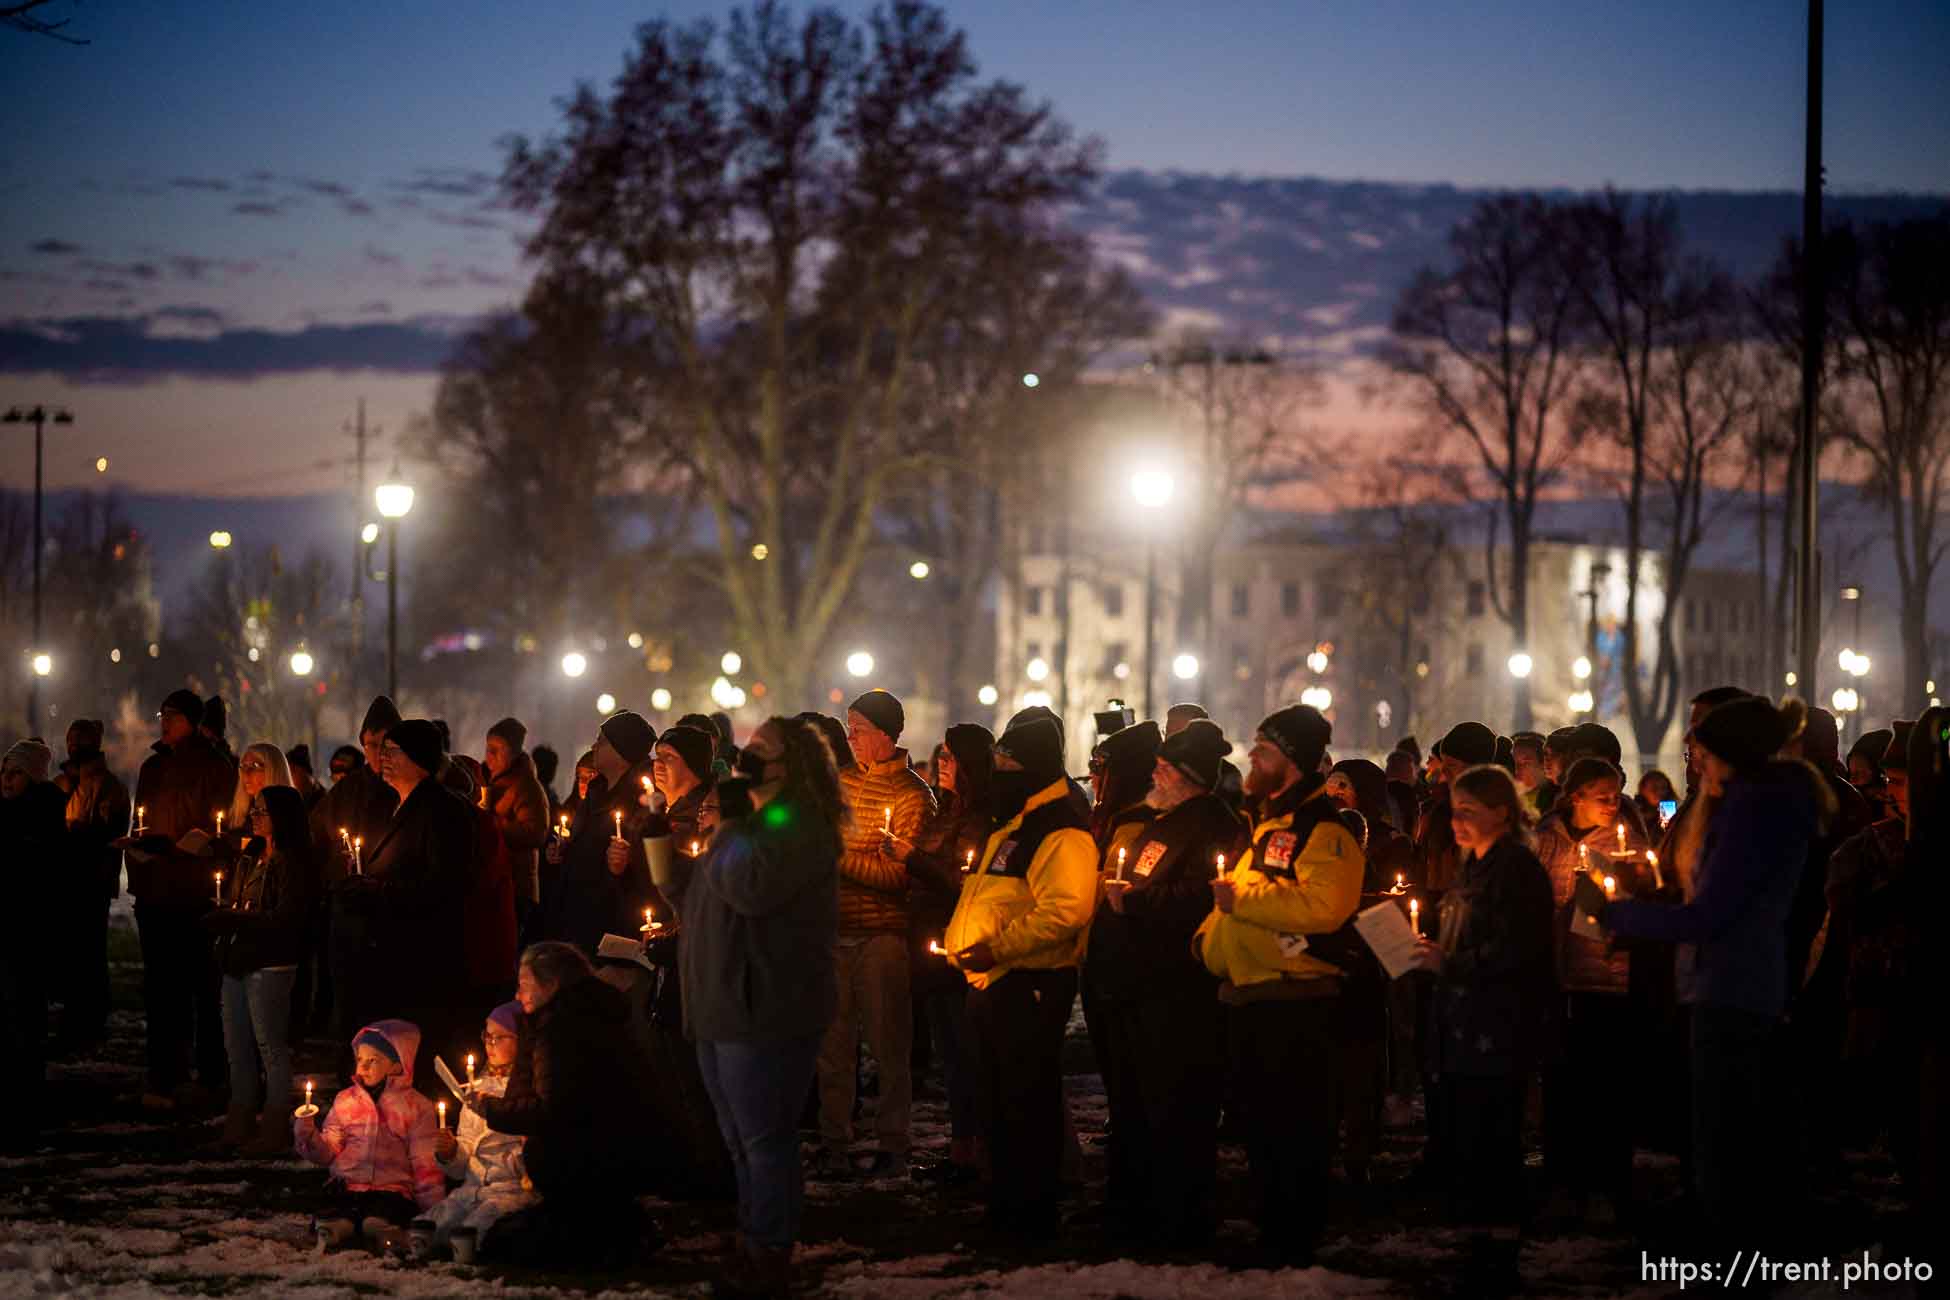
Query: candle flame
{"points": [[1611, 886]]}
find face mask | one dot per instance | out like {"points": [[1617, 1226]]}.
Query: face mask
{"points": [[1012, 791]]}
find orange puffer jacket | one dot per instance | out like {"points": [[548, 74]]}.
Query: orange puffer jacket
{"points": [[873, 887]]}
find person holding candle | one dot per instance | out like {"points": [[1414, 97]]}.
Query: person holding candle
{"points": [[681, 774], [520, 808], [887, 804], [1493, 986], [1588, 1149], [1769, 812], [410, 899], [493, 1176], [604, 880], [937, 865], [377, 1139], [97, 815], [1163, 1046], [181, 786], [31, 827], [361, 804], [1275, 939], [1015, 935], [259, 939], [261, 764], [760, 914]]}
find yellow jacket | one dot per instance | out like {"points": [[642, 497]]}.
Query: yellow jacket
{"points": [[1286, 891], [1032, 914]]}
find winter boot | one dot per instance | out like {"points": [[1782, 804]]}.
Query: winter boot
{"points": [[272, 1141], [238, 1126]]}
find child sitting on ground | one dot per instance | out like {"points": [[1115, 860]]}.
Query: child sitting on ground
{"points": [[378, 1139], [489, 1162]]}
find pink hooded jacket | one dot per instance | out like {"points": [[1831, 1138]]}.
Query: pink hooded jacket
{"points": [[386, 1147]]}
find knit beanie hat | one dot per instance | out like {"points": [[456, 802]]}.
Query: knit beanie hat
{"points": [[1506, 754], [507, 1016], [1301, 732], [381, 716], [1872, 745], [882, 710], [1591, 738], [629, 735], [187, 703], [1470, 743], [1198, 751], [215, 716], [1033, 712], [30, 756], [1134, 746], [92, 730], [1746, 732], [1036, 744], [694, 747], [1560, 740], [419, 740], [299, 756], [372, 1038], [511, 732]]}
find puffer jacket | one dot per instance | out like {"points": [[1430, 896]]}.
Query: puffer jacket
{"points": [[1033, 889], [98, 814], [384, 1145], [494, 1178], [873, 887], [1585, 964], [1287, 890], [520, 808]]}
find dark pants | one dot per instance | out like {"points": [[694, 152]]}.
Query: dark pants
{"points": [[180, 997], [1285, 1067], [1164, 1113], [1017, 1026], [82, 987], [947, 1019], [756, 1089], [1587, 1116], [1364, 1073], [1483, 1146], [1737, 1138]]}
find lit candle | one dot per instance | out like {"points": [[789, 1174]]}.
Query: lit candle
{"points": [[1415, 914], [935, 949], [563, 829], [220, 889], [888, 827], [1222, 864], [219, 825], [696, 848], [1584, 858], [358, 855], [139, 824], [441, 1106], [308, 1094], [470, 1067], [646, 787], [1621, 839], [1120, 864], [1401, 882], [1611, 887], [968, 864], [1658, 878], [618, 814]]}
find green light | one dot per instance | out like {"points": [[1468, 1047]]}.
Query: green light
{"points": [[775, 815]]}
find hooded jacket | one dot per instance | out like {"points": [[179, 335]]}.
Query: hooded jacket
{"points": [[1033, 890], [490, 1166], [873, 887], [1288, 889], [383, 1145]]}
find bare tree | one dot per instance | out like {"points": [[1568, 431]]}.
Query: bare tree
{"points": [[25, 16], [1487, 345], [248, 613], [777, 216], [1405, 530]]}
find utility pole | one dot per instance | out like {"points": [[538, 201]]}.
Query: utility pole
{"points": [[1813, 328], [39, 417], [356, 634]]}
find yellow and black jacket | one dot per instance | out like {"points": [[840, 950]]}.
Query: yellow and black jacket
{"points": [[1301, 878], [1033, 893]]}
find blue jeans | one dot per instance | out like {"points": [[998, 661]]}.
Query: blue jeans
{"points": [[758, 1090], [257, 1036]]}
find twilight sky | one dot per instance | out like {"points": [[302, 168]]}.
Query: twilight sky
{"points": [[253, 215]]}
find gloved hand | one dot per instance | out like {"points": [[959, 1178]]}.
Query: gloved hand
{"points": [[1590, 896]]}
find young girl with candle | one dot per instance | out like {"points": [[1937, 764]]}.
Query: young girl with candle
{"points": [[377, 1140], [488, 1163]]}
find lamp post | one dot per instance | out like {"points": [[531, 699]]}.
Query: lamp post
{"points": [[394, 499], [1593, 589], [39, 417], [1152, 489]]}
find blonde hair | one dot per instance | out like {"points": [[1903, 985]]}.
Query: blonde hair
{"points": [[1494, 787], [277, 772]]}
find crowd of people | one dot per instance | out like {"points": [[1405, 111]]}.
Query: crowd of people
{"points": [[652, 986]]}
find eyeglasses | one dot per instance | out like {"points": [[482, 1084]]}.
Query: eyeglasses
{"points": [[251, 765], [492, 1039]]}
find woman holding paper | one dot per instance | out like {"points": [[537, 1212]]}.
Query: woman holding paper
{"points": [[1493, 986]]}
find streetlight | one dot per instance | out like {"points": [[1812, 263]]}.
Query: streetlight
{"points": [[574, 664], [1581, 668], [220, 540], [919, 570], [1031, 380], [660, 699], [1185, 667], [301, 662], [1036, 669], [1152, 489], [1580, 701], [1317, 661], [394, 500], [988, 695], [369, 534], [1318, 697], [859, 664], [39, 417], [1520, 665], [43, 663], [605, 704], [1590, 658], [731, 663]]}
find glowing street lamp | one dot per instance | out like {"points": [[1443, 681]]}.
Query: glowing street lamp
{"points": [[43, 664], [731, 663], [394, 499], [919, 570], [1520, 665], [1581, 669], [1317, 661], [605, 704], [660, 699], [859, 664], [220, 540], [369, 533], [1185, 667], [301, 662], [574, 664], [1153, 489], [1036, 669], [988, 695]]}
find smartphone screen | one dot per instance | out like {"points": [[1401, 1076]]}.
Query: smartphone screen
{"points": [[1667, 809]]}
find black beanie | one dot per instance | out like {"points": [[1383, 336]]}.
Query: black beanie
{"points": [[1746, 732], [1506, 754], [1198, 751], [1301, 732], [299, 756], [215, 716], [1592, 738], [381, 716], [1470, 742], [511, 732], [1134, 746], [882, 710], [1036, 744], [187, 703], [1034, 712], [629, 735], [419, 740], [694, 747]]}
